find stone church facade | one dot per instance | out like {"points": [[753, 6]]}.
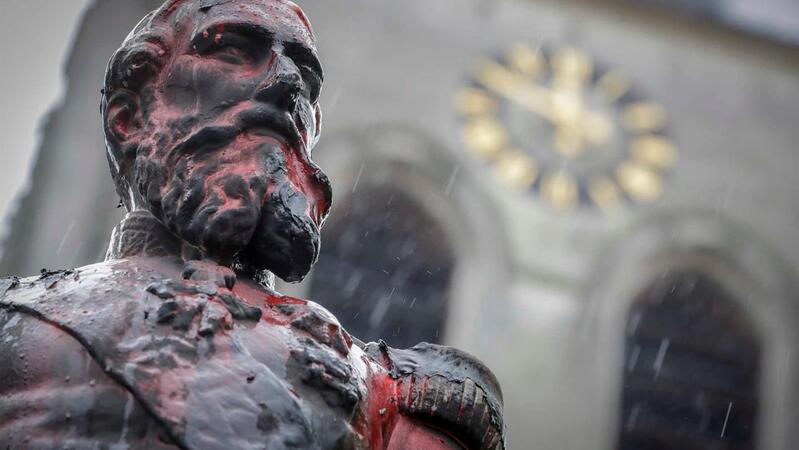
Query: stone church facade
{"points": [[635, 283]]}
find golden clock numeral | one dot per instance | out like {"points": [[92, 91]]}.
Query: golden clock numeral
{"points": [[571, 68], [485, 135], [613, 85], [517, 169], [604, 193], [642, 116], [560, 190], [474, 102], [527, 61], [498, 78], [640, 182], [655, 151]]}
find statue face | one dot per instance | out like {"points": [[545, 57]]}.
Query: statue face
{"points": [[224, 149]]}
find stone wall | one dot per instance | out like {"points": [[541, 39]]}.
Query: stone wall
{"points": [[542, 295]]}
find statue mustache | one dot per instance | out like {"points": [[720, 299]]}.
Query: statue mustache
{"points": [[263, 118]]}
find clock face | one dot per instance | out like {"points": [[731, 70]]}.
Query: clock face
{"points": [[555, 124]]}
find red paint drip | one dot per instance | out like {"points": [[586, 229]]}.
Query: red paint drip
{"points": [[383, 410], [301, 175]]}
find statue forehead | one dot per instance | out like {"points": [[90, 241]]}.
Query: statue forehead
{"points": [[284, 19]]}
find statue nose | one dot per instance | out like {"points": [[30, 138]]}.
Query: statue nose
{"points": [[284, 87]]}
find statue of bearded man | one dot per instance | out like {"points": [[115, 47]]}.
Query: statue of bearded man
{"points": [[178, 340]]}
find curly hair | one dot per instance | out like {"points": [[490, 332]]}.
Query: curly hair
{"points": [[129, 75]]}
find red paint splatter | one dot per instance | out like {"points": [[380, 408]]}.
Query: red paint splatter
{"points": [[303, 18]]}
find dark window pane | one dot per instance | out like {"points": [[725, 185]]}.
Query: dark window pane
{"points": [[385, 268], [692, 364]]}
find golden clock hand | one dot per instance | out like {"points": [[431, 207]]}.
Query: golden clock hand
{"points": [[516, 88], [562, 108], [568, 140], [570, 111], [597, 128]]}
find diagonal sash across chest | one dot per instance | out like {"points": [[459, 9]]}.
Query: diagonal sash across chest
{"points": [[210, 371]]}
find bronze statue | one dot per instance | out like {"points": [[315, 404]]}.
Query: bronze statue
{"points": [[178, 340]]}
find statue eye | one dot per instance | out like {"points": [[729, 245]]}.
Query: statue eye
{"points": [[231, 54], [313, 82], [229, 47]]}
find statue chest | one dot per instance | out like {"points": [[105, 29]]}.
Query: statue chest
{"points": [[215, 370]]}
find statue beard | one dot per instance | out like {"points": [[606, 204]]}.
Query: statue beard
{"points": [[236, 205]]}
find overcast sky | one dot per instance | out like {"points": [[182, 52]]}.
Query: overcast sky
{"points": [[36, 36]]}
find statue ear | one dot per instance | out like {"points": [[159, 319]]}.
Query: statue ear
{"points": [[123, 119], [318, 126], [318, 115]]}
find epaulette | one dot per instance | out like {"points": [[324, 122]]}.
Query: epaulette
{"points": [[449, 389]]}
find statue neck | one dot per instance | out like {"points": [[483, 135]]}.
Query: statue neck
{"points": [[141, 234]]}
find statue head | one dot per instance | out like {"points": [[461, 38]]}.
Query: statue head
{"points": [[210, 111]]}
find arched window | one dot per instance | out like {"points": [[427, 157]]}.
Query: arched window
{"points": [[692, 369], [385, 268]]}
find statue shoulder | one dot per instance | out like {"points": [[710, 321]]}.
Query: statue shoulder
{"points": [[115, 279], [19, 291], [449, 388], [95, 302], [56, 296]]}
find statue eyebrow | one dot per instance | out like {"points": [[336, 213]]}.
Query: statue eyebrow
{"points": [[249, 31], [302, 55], [297, 51]]}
